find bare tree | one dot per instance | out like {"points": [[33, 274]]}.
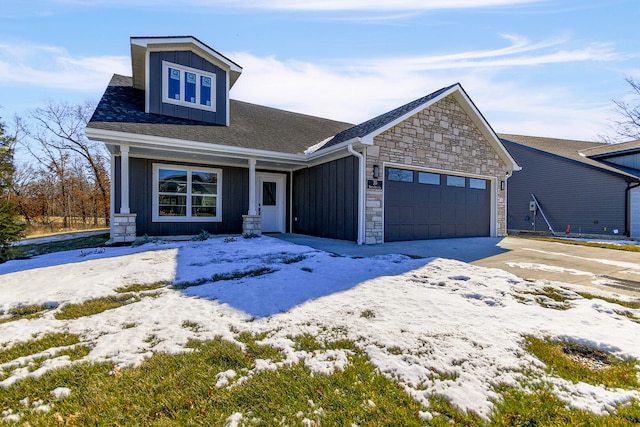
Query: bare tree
{"points": [[628, 127], [58, 132]]}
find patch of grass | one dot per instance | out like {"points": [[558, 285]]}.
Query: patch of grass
{"points": [[192, 326], [26, 312], [141, 287], [253, 350], [635, 304], [180, 390], [548, 297], [368, 314], [604, 245], [37, 345], [537, 405], [295, 259], [234, 275], [29, 250], [580, 363], [94, 306]]}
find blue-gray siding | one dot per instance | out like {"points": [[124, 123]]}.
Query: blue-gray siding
{"points": [[188, 59], [590, 200], [325, 200], [235, 201]]}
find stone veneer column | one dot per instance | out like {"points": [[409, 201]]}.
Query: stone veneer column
{"points": [[251, 225], [123, 229]]}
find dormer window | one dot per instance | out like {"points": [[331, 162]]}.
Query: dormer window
{"points": [[188, 87]]}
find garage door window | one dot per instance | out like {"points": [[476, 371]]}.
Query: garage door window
{"points": [[399, 175], [478, 184], [429, 178], [455, 181]]}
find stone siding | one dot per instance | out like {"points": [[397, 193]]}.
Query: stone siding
{"points": [[441, 137]]}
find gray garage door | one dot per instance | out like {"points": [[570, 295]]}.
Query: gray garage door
{"points": [[421, 205]]}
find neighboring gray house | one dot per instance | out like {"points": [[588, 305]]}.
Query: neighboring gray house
{"points": [[186, 158], [583, 188]]}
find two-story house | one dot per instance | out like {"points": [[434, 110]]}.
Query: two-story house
{"points": [[186, 158]]}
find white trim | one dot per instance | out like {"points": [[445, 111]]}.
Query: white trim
{"points": [[252, 187], [634, 212], [155, 213], [147, 80], [361, 193], [183, 81], [152, 42], [124, 179], [112, 189]]}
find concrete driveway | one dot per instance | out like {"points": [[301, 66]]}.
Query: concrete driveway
{"points": [[528, 258], [609, 269]]}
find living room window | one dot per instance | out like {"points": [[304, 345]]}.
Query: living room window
{"points": [[183, 194], [188, 87]]}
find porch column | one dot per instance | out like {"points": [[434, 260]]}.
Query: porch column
{"points": [[252, 222], [123, 225], [252, 187], [124, 179]]}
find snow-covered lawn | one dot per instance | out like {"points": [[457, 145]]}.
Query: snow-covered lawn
{"points": [[433, 325]]}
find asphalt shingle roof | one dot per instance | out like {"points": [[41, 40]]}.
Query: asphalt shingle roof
{"points": [[569, 149], [382, 120], [251, 126]]}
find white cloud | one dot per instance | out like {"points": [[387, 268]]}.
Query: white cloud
{"points": [[54, 67], [357, 92]]}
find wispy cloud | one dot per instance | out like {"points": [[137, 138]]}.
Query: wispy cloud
{"points": [[54, 67]]}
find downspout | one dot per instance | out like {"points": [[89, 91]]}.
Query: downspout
{"points": [[361, 176]]}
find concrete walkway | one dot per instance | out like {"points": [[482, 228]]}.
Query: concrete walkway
{"points": [[528, 258]]}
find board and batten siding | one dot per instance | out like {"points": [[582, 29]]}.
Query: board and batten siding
{"points": [[590, 200], [187, 59], [235, 202], [325, 200]]}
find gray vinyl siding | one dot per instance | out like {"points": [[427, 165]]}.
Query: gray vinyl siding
{"points": [[188, 59], [631, 161], [590, 200], [235, 201], [325, 200]]}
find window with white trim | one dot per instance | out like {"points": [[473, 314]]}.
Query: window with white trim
{"points": [[188, 87], [183, 194]]}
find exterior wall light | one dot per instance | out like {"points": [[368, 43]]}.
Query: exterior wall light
{"points": [[502, 185], [376, 171]]}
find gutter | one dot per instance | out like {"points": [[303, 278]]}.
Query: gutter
{"points": [[361, 177]]}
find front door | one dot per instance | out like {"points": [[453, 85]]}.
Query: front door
{"points": [[271, 201]]}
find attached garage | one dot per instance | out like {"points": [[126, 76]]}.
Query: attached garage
{"points": [[425, 205]]}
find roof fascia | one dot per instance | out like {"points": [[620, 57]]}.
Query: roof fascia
{"points": [[469, 107], [146, 141]]}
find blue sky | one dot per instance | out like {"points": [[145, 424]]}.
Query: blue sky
{"points": [[534, 67]]}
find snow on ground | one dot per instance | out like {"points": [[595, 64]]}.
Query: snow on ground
{"points": [[433, 325]]}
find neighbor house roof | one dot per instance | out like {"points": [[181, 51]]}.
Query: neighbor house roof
{"points": [[121, 109], [608, 150], [566, 148]]}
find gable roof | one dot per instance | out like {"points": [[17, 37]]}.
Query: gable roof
{"points": [[367, 130], [566, 148], [121, 109], [141, 45]]}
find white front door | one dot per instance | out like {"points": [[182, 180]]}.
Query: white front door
{"points": [[271, 201]]}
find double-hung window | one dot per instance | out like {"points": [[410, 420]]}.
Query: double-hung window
{"points": [[183, 194], [188, 87]]}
